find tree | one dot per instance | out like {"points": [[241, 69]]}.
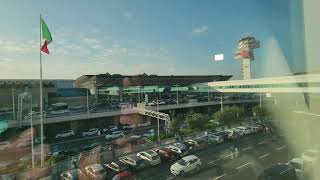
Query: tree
{"points": [[258, 111], [229, 115], [174, 124], [196, 121]]}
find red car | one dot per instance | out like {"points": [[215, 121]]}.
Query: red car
{"points": [[126, 175], [166, 154]]}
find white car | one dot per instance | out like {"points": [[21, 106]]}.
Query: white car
{"points": [[65, 134], [185, 165], [151, 156], [214, 138], [95, 171], [245, 130], [91, 132], [115, 134], [35, 115], [151, 104], [144, 124], [4, 145], [297, 163], [128, 126], [150, 133], [110, 128], [311, 155]]}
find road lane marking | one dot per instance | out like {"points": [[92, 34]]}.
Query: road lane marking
{"points": [[265, 155], [214, 161], [247, 148], [282, 147], [219, 177], [170, 178], [243, 165], [261, 142]]}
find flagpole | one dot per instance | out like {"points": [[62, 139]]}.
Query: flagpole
{"points": [[41, 105]]}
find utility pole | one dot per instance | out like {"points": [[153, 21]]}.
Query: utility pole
{"points": [[260, 100], [31, 127], [221, 102], [13, 106], [158, 122], [87, 101], [177, 94]]}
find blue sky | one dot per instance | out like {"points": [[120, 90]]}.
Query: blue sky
{"points": [[131, 37]]}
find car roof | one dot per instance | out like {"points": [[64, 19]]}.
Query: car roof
{"points": [[133, 157], [297, 160], [278, 169], [151, 152], [95, 167], [190, 157]]}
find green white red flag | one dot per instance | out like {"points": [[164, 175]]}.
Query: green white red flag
{"points": [[46, 35]]}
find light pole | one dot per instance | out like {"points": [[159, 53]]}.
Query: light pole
{"points": [[31, 127], [87, 101], [221, 102], [13, 105], [158, 123], [260, 100], [177, 94]]}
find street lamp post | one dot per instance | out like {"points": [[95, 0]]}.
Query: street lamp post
{"points": [[13, 106], [221, 102], [158, 123], [31, 127], [87, 101]]}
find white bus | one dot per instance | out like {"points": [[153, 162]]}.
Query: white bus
{"points": [[59, 108]]}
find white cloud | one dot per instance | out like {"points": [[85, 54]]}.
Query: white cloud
{"points": [[200, 29]]}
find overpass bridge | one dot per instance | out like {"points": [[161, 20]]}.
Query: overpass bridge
{"points": [[308, 83], [149, 112]]}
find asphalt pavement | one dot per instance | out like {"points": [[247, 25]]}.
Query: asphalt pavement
{"points": [[256, 153]]}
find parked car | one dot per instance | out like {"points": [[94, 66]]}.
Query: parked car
{"points": [[135, 162], [128, 126], [115, 168], [311, 155], [115, 134], [91, 132], [66, 133], [150, 133], [151, 104], [144, 124], [297, 163], [215, 139], [279, 172], [126, 175], [180, 149], [110, 128], [185, 165], [35, 115], [166, 154], [151, 156], [197, 144], [4, 145], [245, 130], [95, 171], [70, 175]]}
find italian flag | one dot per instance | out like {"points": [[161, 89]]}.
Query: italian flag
{"points": [[46, 35]]}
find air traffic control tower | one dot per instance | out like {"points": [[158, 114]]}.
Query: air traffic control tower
{"points": [[245, 52]]}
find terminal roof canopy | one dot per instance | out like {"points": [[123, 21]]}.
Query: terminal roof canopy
{"points": [[102, 80]]}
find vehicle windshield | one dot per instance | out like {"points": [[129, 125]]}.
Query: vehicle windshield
{"points": [[182, 162], [296, 165]]}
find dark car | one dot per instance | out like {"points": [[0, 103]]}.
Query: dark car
{"points": [[166, 154], [279, 172], [115, 168]]}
